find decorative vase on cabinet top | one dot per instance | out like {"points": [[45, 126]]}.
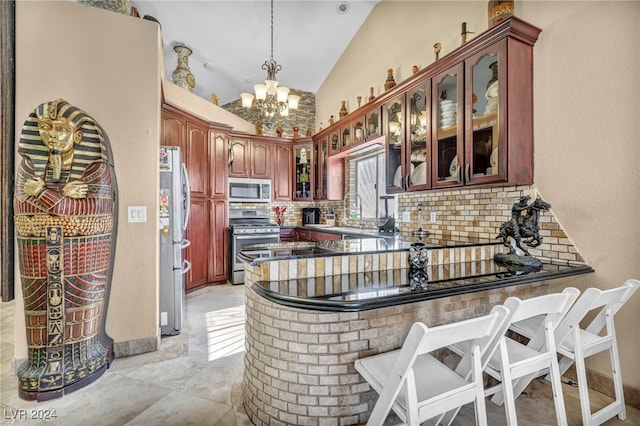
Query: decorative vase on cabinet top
{"points": [[390, 82], [343, 109], [499, 10], [182, 76]]}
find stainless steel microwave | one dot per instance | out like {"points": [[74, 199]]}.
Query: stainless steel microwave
{"points": [[245, 190]]}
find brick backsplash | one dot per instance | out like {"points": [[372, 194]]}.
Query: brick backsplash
{"points": [[473, 213], [479, 212]]}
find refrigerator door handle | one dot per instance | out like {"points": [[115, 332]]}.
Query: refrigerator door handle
{"points": [[187, 189], [186, 266], [185, 243]]}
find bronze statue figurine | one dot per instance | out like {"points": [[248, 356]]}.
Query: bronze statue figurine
{"points": [[66, 223], [523, 227]]}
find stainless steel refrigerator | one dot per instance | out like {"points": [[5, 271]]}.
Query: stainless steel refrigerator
{"points": [[172, 223]]}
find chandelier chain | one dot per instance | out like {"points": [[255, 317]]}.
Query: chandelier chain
{"points": [[271, 30]]}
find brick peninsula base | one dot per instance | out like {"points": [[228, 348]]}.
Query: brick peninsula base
{"points": [[310, 316], [299, 362]]}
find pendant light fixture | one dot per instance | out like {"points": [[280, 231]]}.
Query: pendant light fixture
{"points": [[270, 102]]}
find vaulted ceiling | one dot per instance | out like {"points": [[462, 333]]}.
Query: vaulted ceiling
{"points": [[231, 40]]}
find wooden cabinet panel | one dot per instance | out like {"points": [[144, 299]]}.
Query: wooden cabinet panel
{"points": [[261, 164], [240, 164], [205, 155], [173, 130], [198, 253], [218, 241], [218, 165], [197, 159], [282, 174], [288, 235], [251, 159], [323, 236], [304, 235]]}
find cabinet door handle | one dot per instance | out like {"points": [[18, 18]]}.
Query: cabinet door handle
{"points": [[230, 155], [406, 182], [467, 172]]}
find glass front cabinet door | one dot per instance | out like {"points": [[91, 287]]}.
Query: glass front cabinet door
{"points": [[447, 104], [417, 162], [484, 142], [336, 145], [320, 154], [303, 173], [372, 119], [394, 131]]}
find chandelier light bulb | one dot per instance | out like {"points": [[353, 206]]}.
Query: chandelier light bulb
{"points": [[247, 99], [272, 86], [261, 91], [282, 93], [293, 100]]}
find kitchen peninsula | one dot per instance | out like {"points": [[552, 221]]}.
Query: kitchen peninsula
{"points": [[313, 308]]}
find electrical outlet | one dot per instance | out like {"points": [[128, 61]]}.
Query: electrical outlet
{"points": [[164, 318], [433, 217], [406, 216]]}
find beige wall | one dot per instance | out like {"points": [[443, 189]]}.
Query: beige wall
{"points": [[587, 132], [72, 51]]}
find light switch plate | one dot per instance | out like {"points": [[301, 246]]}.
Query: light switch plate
{"points": [[433, 217], [406, 216], [137, 213]]}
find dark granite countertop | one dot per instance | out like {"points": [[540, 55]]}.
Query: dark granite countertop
{"points": [[376, 289], [349, 231], [306, 249]]}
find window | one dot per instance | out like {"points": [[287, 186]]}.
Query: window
{"points": [[369, 172]]}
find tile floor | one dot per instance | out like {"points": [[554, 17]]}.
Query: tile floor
{"points": [[195, 379]]}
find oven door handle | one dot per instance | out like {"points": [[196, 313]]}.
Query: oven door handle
{"points": [[255, 237]]}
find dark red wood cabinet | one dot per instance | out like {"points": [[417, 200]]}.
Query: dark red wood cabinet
{"points": [[205, 153]]}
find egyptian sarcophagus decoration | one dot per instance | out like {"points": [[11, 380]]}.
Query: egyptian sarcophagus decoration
{"points": [[65, 206]]}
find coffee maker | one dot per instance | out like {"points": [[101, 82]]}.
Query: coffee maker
{"points": [[310, 216]]}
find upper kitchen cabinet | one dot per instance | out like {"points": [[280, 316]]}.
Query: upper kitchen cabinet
{"points": [[465, 119], [448, 130], [282, 187], [372, 120], [395, 147], [408, 140], [320, 157], [174, 127], [418, 141], [250, 158], [345, 134], [303, 172], [328, 170], [492, 141], [196, 158]]}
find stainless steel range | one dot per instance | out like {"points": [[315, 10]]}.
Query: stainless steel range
{"points": [[248, 227]]}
